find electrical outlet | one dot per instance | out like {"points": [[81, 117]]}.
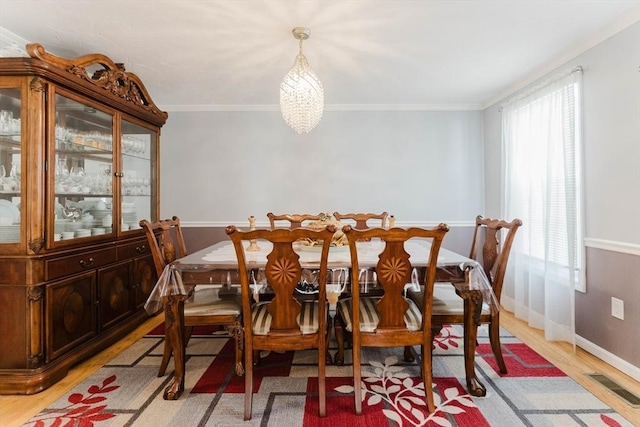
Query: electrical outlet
{"points": [[617, 308]]}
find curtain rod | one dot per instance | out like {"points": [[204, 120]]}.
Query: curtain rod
{"points": [[577, 69]]}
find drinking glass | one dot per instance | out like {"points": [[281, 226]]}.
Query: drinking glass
{"points": [[337, 280], [415, 282], [258, 283]]}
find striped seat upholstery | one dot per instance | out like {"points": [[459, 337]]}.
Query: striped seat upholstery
{"points": [[369, 316], [308, 318], [207, 301], [445, 300]]}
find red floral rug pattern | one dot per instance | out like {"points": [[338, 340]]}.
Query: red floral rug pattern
{"points": [[127, 390]]}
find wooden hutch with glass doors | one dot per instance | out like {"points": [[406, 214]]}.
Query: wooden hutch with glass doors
{"points": [[79, 150]]}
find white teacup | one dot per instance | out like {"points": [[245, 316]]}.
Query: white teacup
{"points": [[57, 236], [68, 234]]}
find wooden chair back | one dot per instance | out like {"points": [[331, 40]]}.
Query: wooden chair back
{"points": [[494, 256], [183, 312], [294, 220], [361, 219], [394, 269], [283, 272], [166, 241]]}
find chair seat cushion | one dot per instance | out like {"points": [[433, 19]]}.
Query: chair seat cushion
{"points": [[370, 317], [307, 319], [207, 302], [445, 300]]}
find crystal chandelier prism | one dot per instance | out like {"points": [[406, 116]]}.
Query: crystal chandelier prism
{"points": [[301, 93]]}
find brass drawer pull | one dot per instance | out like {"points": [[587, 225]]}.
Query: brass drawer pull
{"points": [[142, 248], [87, 264]]}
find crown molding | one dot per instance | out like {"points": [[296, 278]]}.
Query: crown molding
{"points": [[330, 107], [623, 22]]}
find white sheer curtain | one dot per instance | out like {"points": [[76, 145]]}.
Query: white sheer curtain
{"points": [[541, 142]]}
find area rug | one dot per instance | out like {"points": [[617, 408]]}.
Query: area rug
{"points": [[127, 391]]}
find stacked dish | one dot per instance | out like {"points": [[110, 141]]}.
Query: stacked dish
{"points": [[97, 231], [83, 232]]}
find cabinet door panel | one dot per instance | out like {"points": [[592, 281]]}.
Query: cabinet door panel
{"points": [[138, 175], [70, 313], [114, 291], [144, 279], [10, 165], [82, 166]]}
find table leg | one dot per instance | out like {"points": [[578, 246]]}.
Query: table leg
{"points": [[174, 331], [472, 309]]}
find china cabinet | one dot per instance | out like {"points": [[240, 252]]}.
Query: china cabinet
{"points": [[79, 150]]}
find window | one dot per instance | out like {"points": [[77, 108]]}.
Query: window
{"points": [[542, 164]]}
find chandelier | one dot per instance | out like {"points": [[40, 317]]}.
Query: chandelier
{"points": [[301, 93]]}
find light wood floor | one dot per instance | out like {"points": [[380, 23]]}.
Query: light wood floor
{"points": [[16, 410]]}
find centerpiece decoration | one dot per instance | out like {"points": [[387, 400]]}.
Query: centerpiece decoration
{"points": [[338, 239]]}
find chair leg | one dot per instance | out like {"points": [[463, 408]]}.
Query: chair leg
{"points": [[339, 331], [427, 377], [238, 335], [357, 379], [322, 392], [327, 337], [408, 354], [248, 384], [494, 338]]}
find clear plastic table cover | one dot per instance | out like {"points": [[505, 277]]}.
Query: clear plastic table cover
{"points": [[222, 256]]}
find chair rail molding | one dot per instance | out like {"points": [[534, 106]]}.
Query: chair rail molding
{"points": [[265, 223], [611, 245]]}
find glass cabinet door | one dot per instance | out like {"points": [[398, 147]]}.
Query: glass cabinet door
{"points": [[10, 164], [82, 171], [138, 147]]}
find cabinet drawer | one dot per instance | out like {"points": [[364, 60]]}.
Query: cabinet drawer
{"points": [[85, 261], [133, 250]]}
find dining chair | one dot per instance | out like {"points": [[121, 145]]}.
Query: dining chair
{"points": [[205, 306], [448, 307], [362, 219], [294, 220], [391, 320], [285, 322]]}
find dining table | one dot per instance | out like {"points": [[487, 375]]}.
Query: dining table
{"points": [[213, 266]]}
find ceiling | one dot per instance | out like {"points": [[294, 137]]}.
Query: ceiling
{"points": [[369, 54]]}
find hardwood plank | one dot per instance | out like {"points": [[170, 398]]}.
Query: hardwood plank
{"points": [[576, 365], [17, 410]]}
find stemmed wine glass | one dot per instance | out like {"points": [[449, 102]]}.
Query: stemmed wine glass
{"points": [[337, 280], [258, 283], [415, 282]]}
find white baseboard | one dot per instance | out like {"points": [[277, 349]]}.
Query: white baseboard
{"points": [[613, 360]]}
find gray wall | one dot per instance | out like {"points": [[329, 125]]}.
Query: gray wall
{"points": [[219, 168], [612, 191]]}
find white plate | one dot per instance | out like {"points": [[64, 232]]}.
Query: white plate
{"points": [[10, 210]]}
